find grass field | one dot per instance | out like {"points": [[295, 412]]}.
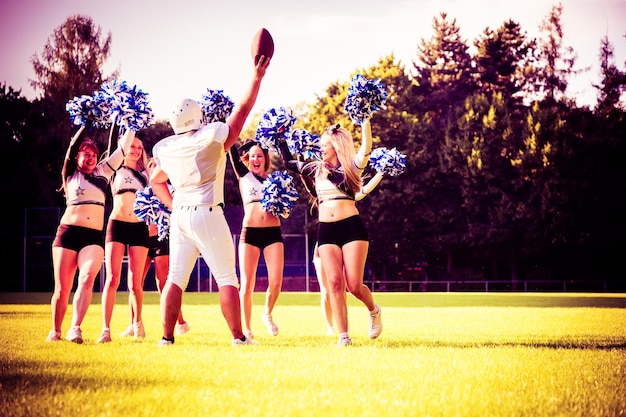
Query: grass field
{"points": [[440, 354]]}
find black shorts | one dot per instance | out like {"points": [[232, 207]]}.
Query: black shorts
{"points": [[131, 234], [77, 237], [341, 232], [158, 247], [261, 237]]}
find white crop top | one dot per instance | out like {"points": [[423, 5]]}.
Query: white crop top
{"points": [[251, 188], [90, 188], [128, 180], [332, 187]]}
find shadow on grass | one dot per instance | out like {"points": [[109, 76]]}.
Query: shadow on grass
{"points": [[557, 344], [391, 299], [19, 373]]}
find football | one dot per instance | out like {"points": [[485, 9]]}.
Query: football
{"points": [[262, 44]]}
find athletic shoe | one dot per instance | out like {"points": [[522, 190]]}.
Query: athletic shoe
{"points": [[330, 331], [247, 341], [129, 332], [344, 341], [376, 323], [272, 328], [139, 331], [164, 342], [75, 335], [248, 334], [53, 336], [182, 328], [105, 336]]}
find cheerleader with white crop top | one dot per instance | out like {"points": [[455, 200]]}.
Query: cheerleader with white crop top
{"points": [[260, 232], [327, 311], [79, 240], [125, 230], [341, 235]]}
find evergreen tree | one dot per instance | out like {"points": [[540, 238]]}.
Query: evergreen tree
{"points": [[17, 119], [613, 82], [444, 79], [555, 60], [502, 60]]}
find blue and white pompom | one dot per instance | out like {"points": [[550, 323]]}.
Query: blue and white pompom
{"points": [[79, 109], [103, 110], [131, 108], [274, 128], [304, 144], [216, 106], [388, 161], [279, 194], [365, 97], [150, 209], [89, 108], [109, 91]]}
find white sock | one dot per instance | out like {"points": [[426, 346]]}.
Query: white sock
{"points": [[344, 335]]}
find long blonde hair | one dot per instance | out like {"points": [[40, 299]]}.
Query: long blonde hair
{"points": [[343, 143], [142, 163]]}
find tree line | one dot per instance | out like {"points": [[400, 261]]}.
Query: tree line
{"points": [[506, 176]]}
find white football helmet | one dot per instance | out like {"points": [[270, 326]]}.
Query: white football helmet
{"points": [[186, 116]]}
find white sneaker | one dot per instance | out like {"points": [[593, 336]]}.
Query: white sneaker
{"points": [[182, 328], [376, 323], [344, 341], [247, 341], [272, 328], [75, 335], [330, 331], [139, 331], [129, 332], [249, 334], [164, 342], [105, 336], [53, 336]]}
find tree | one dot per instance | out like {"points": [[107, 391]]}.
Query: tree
{"points": [[556, 61], [443, 80], [15, 165], [613, 82], [493, 133], [72, 60], [154, 133], [503, 57], [444, 73]]}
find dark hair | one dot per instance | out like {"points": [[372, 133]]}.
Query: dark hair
{"points": [[333, 129], [88, 143]]}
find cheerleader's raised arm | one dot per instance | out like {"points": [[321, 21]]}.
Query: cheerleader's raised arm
{"points": [[362, 157], [116, 158]]}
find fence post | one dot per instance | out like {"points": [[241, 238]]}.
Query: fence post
{"points": [[306, 259]]}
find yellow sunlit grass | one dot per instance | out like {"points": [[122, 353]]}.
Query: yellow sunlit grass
{"points": [[439, 355]]}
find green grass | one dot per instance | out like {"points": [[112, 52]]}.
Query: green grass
{"points": [[456, 354]]}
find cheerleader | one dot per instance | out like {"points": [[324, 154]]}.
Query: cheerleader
{"points": [[125, 230], [79, 240], [260, 232], [341, 236]]}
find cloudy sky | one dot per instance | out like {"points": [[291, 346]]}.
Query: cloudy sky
{"points": [[175, 49]]}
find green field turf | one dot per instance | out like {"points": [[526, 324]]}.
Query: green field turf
{"points": [[440, 354]]}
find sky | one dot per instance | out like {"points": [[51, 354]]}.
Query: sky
{"points": [[178, 49]]}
